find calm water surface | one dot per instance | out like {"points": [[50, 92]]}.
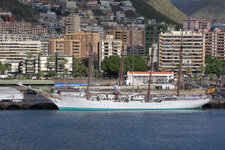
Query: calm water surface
{"points": [[50, 130]]}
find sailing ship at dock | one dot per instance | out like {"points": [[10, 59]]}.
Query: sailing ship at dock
{"points": [[82, 100]]}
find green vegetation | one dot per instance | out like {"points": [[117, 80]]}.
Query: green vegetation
{"points": [[160, 10], [20, 10], [80, 69], [214, 66], [111, 65], [4, 67]]}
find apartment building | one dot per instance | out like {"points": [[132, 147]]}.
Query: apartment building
{"points": [[27, 37], [78, 44], [196, 25], [119, 34], [215, 43], [152, 31], [16, 37], [71, 24], [129, 36], [193, 51], [58, 63], [21, 28], [109, 47], [15, 51]]}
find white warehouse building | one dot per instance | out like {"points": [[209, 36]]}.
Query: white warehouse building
{"points": [[158, 78]]}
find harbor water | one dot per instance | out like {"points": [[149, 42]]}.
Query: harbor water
{"points": [[109, 130]]}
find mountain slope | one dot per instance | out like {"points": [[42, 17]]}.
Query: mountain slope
{"points": [[145, 8], [189, 7], [209, 9], [18, 9], [168, 9], [214, 12]]}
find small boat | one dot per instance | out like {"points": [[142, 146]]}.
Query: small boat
{"points": [[8, 94]]}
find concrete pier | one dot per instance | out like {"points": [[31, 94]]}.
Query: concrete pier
{"points": [[216, 104]]}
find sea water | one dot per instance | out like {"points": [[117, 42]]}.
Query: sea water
{"points": [[109, 130]]}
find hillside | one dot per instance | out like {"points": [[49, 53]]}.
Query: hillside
{"points": [[18, 9], [212, 10], [167, 9], [154, 9]]}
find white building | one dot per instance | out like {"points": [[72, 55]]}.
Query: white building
{"points": [[193, 45], [58, 63], [108, 48], [15, 51], [158, 78]]}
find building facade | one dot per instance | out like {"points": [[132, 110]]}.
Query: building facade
{"points": [[109, 47], [139, 78], [15, 51], [196, 25], [193, 52], [78, 44], [58, 63], [21, 28], [215, 43], [71, 24], [129, 36]]}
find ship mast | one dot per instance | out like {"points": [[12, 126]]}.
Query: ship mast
{"points": [[180, 67], [151, 64], [89, 65], [121, 65]]}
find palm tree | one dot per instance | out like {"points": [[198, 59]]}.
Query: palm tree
{"points": [[29, 55], [188, 71], [202, 68], [64, 67], [4, 67], [51, 61], [1, 67], [164, 70]]}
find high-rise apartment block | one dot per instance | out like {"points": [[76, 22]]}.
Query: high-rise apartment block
{"points": [[15, 51], [152, 31], [193, 51], [109, 47], [27, 37], [71, 24], [196, 25], [78, 44], [215, 43]]}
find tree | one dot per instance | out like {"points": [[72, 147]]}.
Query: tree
{"points": [[51, 65], [80, 69], [111, 65], [51, 74], [139, 64], [65, 69], [164, 69], [40, 74], [4, 67], [214, 66], [40, 54], [29, 55], [188, 71]]}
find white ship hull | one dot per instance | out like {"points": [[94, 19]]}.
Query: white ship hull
{"points": [[80, 103]]}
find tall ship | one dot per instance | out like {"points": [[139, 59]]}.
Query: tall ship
{"points": [[85, 100]]}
